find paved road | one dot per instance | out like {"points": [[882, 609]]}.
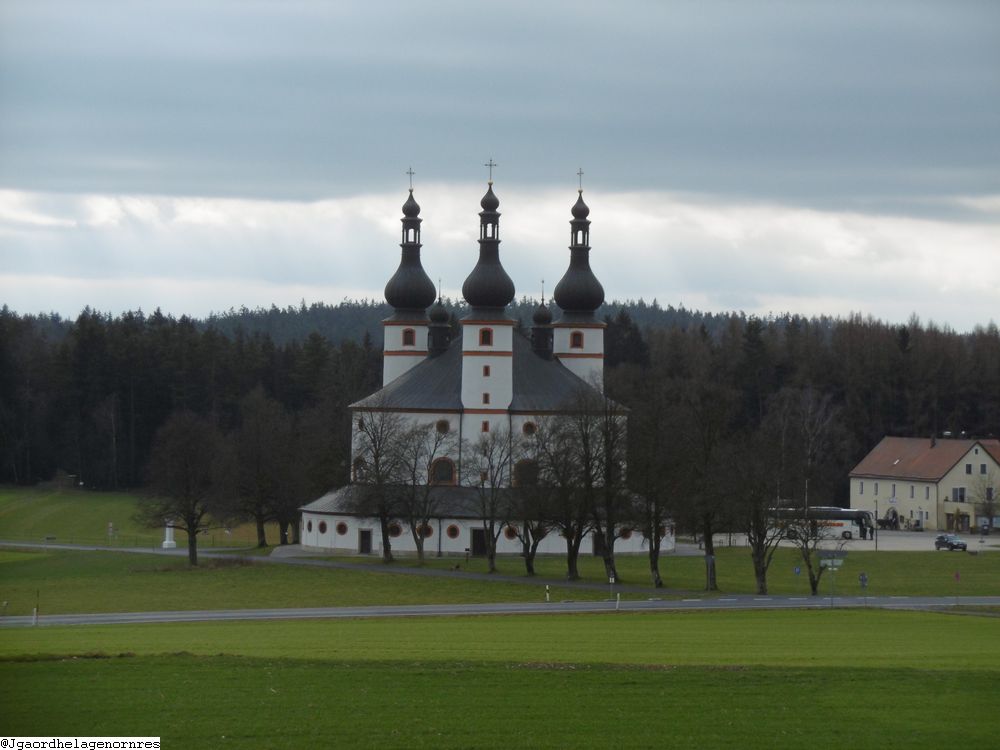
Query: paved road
{"points": [[522, 608]]}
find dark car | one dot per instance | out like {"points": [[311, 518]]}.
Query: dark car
{"points": [[949, 542]]}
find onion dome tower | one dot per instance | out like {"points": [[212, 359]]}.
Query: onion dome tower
{"points": [[439, 331], [487, 331], [488, 289], [541, 331], [410, 291], [578, 337]]}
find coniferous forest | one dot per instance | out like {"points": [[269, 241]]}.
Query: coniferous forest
{"points": [[85, 398]]}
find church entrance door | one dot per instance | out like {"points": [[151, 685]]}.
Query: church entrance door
{"points": [[365, 541], [479, 542]]}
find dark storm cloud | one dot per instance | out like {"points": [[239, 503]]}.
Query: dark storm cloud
{"points": [[859, 105]]}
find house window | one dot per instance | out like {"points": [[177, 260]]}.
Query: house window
{"points": [[452, 531], [927, 493], [968, 468], [395, 529], [989, 494], [425, 530], [876, 488], [576, 340], [982, 468], [486, 426], [486, 371], [409, 337], [341, 528], [861, 487], [911, 492], [958, 494], [510, 533], [486, 337], [486, 398], [443, 471]]}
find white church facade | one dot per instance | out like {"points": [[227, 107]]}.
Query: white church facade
{"points": [[489, 379]]}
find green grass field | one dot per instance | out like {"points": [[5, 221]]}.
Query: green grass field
{"points": [[889, 573], [847, 678], [82, 517]]}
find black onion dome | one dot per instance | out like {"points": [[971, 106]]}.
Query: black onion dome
{"points": [[490, 202], [542, 315], [579, 291], [438, 313], [410, 288], [411, 208], [489, 286]]}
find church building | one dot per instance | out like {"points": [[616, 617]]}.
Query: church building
{"points": [[488, 379]]}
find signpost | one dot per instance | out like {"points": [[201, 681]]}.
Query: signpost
{"points": [[832, 559]]}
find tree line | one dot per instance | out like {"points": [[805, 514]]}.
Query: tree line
{"points": [[726, 413]]}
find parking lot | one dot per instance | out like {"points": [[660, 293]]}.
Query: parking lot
{"points": [[888, 541]]}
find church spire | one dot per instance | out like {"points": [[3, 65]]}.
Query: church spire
{"points": [[488, 289], [579, 293], [410, 291]]}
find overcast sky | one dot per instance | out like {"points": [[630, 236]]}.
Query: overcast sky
{"points": [[808, 157]]}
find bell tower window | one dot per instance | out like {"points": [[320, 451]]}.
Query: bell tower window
{"points": [[486, 337], [576, 340], [409, 337]]}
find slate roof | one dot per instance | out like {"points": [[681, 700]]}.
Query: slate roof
{"points": [[435, 384], [451, 501], [915, 458]]}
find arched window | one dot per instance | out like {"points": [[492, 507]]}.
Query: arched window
{"points": [[409, 337], [486, 337], [525, 473], [576, 340], [443, 471]]}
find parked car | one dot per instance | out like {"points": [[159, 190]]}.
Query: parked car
{"points": [[949, 542]]}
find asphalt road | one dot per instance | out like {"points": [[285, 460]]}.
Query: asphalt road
{"points": [[522, 608]]}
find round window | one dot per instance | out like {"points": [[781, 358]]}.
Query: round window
{"points": [[453, 531], [309, 526], [426, 531], [510, 532], [395, 529], [341, 528], [322, 527], [529, 428]]}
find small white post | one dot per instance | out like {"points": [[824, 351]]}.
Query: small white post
{"points": [[168, 538], [618, 602], [34, 617]]}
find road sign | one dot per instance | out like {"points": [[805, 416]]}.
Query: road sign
{"points": [[798, 570], [831, 562], [863, 580], [832, 554]]}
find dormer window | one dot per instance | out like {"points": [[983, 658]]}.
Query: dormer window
{"points": [[576, 340], [486, 337], [409, 337]]}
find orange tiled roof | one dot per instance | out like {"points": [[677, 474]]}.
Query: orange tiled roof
{"points": [[915, 458]]}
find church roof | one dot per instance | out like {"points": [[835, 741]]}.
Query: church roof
{"points": [[435, 384], [450, 501]]}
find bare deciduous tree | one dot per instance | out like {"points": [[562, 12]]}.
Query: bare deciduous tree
{"points": [[486, 466], [189, 479], [423, 463]]}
